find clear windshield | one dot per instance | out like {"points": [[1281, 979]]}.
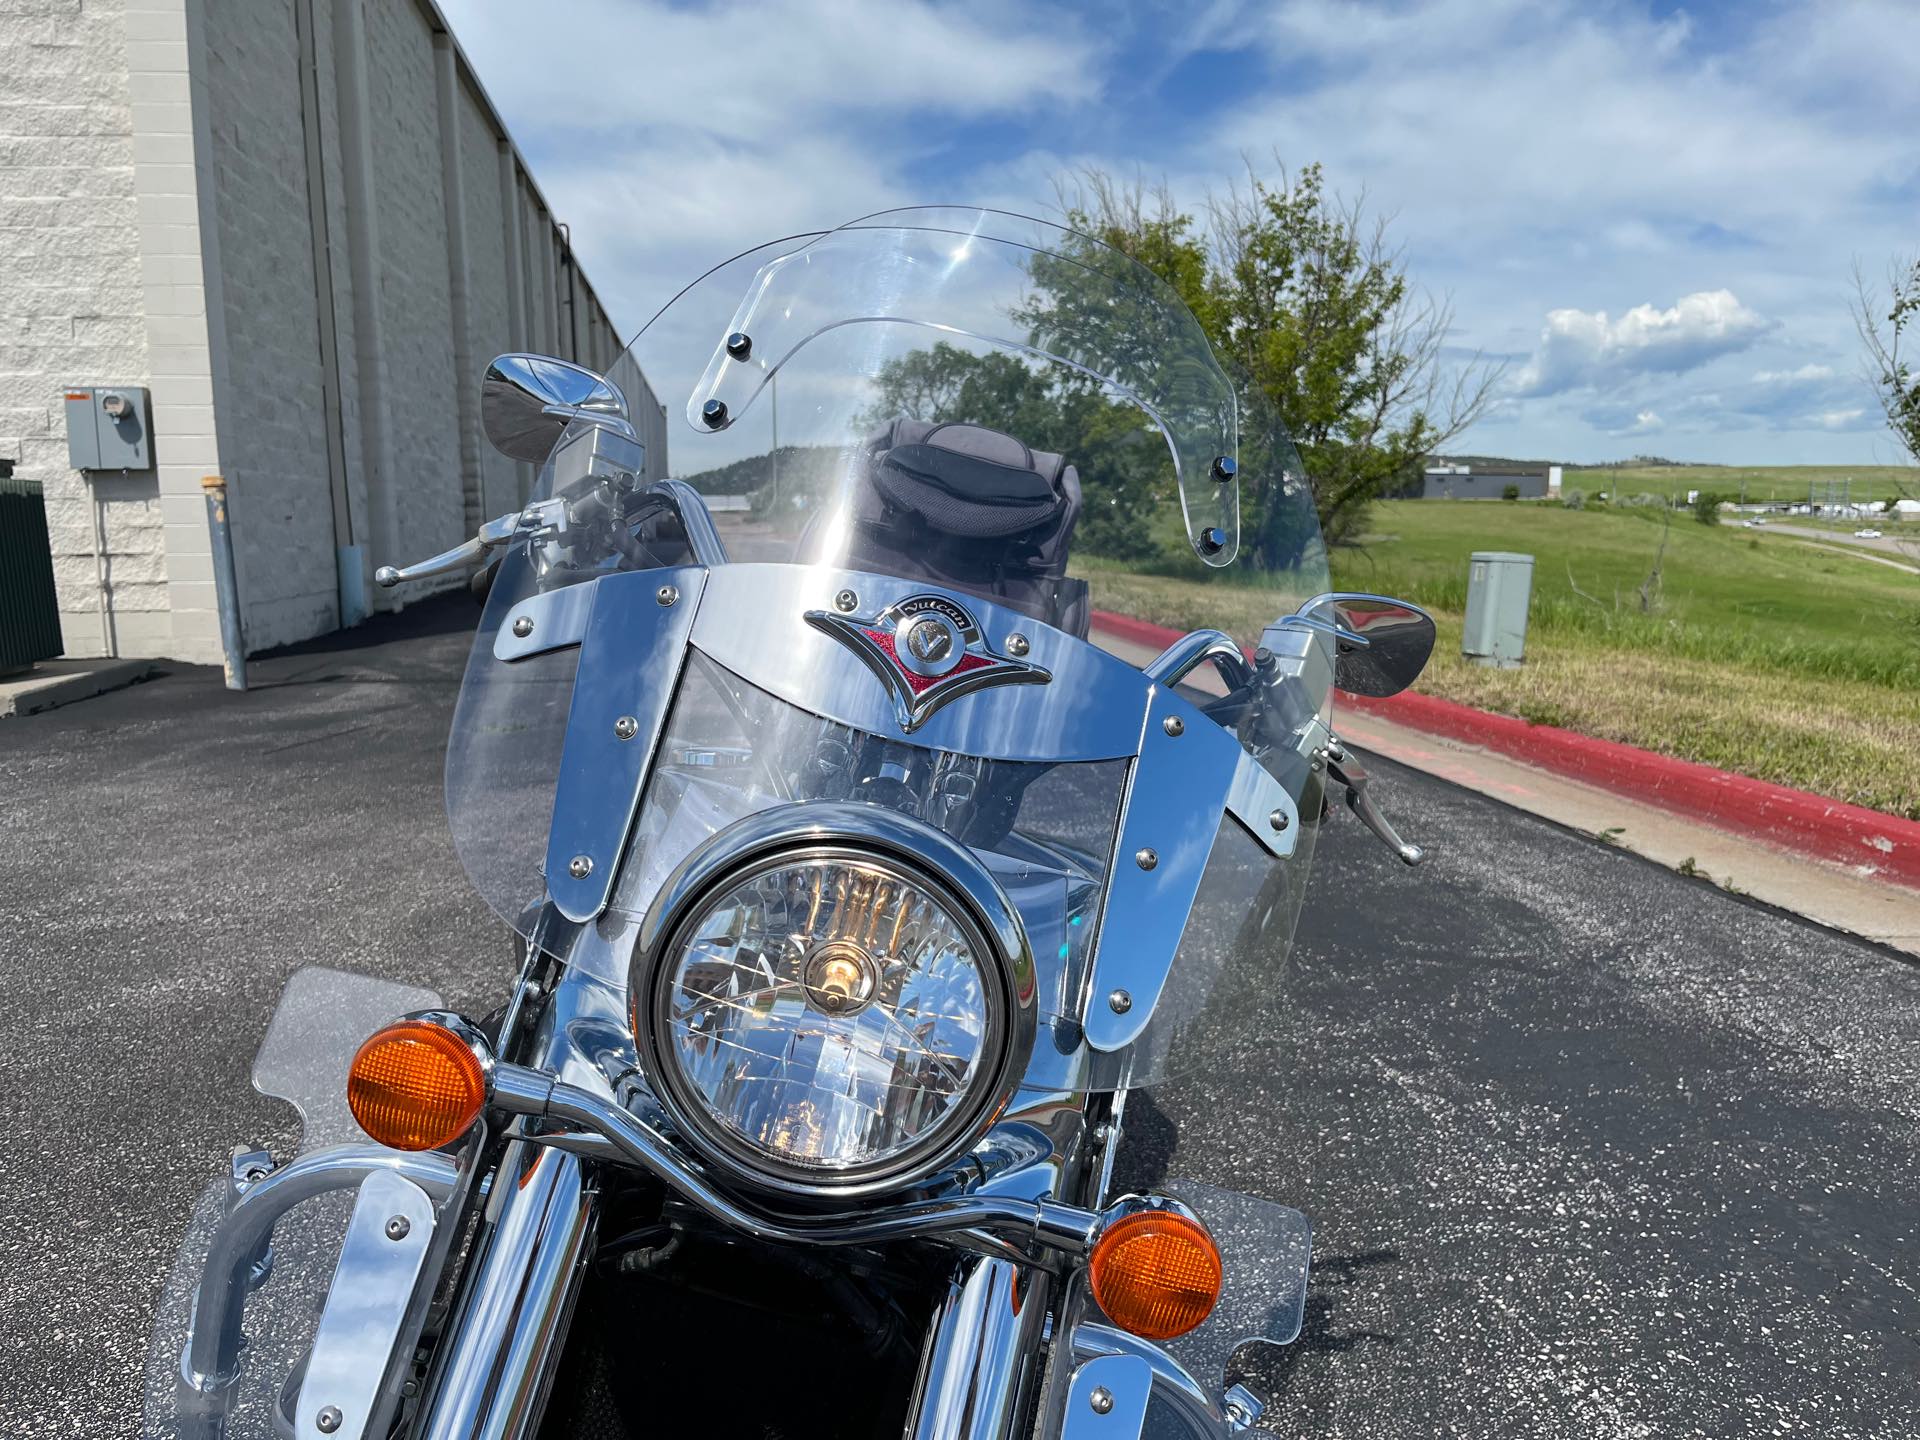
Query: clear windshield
{"points": [[916, 461]]}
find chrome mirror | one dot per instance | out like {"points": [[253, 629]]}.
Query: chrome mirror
{"points": [[527, 402], [1380, 645]]}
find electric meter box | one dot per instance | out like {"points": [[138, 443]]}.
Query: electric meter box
{"points": [[107, 427], [1499, 588]]}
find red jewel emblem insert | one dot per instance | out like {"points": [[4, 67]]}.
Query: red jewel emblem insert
{"points": [[928, 650]]}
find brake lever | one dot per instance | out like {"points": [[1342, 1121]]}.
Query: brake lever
{"points": [[541, 517], [1342, 767]]}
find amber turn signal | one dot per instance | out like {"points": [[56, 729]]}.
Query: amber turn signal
{"points": [[416, 1086], [1155, 1273]]}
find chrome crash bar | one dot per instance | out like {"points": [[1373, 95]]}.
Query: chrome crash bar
{"points": [[211, 1358], [984, 1222]]}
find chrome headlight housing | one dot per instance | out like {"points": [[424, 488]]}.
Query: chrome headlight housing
{"points": [[832, 998]]}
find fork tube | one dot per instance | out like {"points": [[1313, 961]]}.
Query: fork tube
{"points": [[982, 1354], [500, 1353]]}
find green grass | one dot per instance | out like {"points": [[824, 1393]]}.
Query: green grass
{"points": [[1726, 593], [1871, 483], [1762, 655]]}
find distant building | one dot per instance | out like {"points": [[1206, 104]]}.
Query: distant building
{"points": [[1482, 480]]}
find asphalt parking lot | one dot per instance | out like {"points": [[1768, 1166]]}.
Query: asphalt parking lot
{"points": [[1591, 1148]]}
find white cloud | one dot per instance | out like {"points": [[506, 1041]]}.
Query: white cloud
{"points": [[1580, 348], [1539, 155], [672, 136], [1840, 419], [761, 73]]}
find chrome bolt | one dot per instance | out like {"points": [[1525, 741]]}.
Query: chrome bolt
{"points": [[739, 345], [626, 727], [845, 601], [397, 1227], [1225, 468], [1017, 645], [1120, 1002], [1101, 1400], [580, 866], [1174, 725], [328, 1420], [523, 627], [1146, 858], [1278, 820], [714, 414], [668, 594], [1212, 540]]}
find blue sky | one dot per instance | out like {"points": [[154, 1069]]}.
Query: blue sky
{"points": [[1649, 211]]}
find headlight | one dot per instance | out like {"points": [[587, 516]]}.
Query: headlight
{"points": [[829, 1016]]}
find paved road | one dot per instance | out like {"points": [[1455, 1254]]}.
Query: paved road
{"points": [[1592, 1149], [1901, 546]]}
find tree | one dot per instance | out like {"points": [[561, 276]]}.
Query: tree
{"points": [[1883, 322], [1305, 293]]}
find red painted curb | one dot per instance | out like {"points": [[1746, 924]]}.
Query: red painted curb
{"points": [[1139, 632], [1867, 840]]}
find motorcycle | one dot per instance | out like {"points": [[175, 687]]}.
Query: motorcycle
{"points": [[855, 890]]}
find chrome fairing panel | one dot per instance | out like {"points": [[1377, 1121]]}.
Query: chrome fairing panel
{"points": [[631, 651], [752, 620]]}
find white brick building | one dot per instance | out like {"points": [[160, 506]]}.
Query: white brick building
{"points": [[301, 225]]}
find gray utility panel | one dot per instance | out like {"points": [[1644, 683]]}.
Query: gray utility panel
{"points": [[1499, 587], [107, 427]]}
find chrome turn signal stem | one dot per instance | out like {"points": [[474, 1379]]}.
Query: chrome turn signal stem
{"points": [[1046, 1226]]}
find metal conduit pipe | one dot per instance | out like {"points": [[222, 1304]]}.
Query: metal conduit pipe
{"points": [[466, 404], [363, 266]]}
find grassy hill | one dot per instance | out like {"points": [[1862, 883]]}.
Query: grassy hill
{"points": [[1761, 654], [1871, 483]]}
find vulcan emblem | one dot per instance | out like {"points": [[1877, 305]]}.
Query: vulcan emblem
{"points": [[927, 650]]}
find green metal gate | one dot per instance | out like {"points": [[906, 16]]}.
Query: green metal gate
{"points": [[29, 610]]}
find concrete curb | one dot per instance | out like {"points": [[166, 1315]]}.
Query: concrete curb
{"points": [[61, 682], [1866, 841]]}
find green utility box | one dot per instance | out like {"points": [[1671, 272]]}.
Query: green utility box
{"points": [[29, 609], [1499, 587]]}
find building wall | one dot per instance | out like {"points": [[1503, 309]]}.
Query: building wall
{"points": [[489, 301], [158, 209], [275, 459], [71, 304], [1482, 486]]}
